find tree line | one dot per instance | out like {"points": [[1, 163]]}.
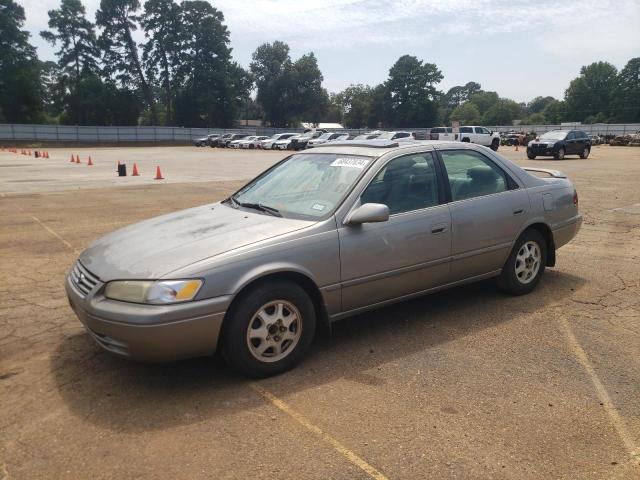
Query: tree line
{"points": [[183, 73]]}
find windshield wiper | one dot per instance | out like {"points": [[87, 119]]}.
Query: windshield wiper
{"points": [[258, 206]]}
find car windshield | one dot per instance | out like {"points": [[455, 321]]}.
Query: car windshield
{"points": [[324, 136], [306, 185], [554, 135], [386, 136]]}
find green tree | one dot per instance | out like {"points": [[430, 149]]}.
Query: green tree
{"points": [[161, 53], [380, 114], [356, 102], [503, 112], [538, 104], [534, 119], [120, 53], [484, 100], [310, 100], [591, 93], [626, 102], [412, 92], [271, 67], [76, 36], [20, 83], [554, 112], [214, 87], [77, 55], [466, 114]]}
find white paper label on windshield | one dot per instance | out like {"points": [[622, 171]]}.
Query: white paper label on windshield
{"points": [[352, 162], [318, 206]]}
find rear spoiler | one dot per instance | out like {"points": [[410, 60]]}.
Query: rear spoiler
{"points": [[552, 173]]}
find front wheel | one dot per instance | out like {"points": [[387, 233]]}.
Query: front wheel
{"points": [[585, 153], [525, 265], [495, 144], [531, 156], [559, 155], [269, 329]]}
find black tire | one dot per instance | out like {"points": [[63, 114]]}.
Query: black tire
{"points": [[530, 156], [495, 144], [509, 281], [585, 153], [234, 345], [560, 154], [466, 140]]}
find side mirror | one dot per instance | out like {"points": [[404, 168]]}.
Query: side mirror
{"points": [[368, 213]]}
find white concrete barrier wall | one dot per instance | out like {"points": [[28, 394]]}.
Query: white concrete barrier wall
{"points": [[178, 135]]}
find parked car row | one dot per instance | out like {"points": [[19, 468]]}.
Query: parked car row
{"points": [[556, 143], [296, 141]]}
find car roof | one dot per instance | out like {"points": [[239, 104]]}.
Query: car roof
{"points": [[377, 148]]}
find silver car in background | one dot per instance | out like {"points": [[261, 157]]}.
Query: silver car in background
{"points": [[320, 236]]}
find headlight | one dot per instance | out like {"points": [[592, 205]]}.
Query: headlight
{"points": [[157, 293]]}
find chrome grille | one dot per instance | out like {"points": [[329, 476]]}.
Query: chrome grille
{"points": [[83, 279]]}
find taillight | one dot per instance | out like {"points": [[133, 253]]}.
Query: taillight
{"points": [[575, 198]]}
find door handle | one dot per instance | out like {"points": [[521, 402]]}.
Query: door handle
{"points": [[518, 212], [436, 229]]}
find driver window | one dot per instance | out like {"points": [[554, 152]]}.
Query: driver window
{"points": [[404, 184]]}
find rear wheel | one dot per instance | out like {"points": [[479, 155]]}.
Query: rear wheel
{"points": [[531, 156], [495, 144], [269, 329], [525, 265], [559, 155], [585, 153], [466, 140]]}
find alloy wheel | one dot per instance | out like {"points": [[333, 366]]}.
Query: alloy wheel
{"points": [[528, 262], [274, 331]]}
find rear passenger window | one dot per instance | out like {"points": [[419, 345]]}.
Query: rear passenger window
{"points": [[404, 184], [472, 175], [466, 130]]}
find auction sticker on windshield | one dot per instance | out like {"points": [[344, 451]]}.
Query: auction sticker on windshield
{"points": [[352, 162]]}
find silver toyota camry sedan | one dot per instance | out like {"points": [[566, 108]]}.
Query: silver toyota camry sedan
{"points": [[318, 237]]}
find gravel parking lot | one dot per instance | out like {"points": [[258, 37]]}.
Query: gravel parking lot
{"points": [[467, 383]]}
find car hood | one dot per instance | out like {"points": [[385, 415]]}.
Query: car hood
{"points": [[156, 247]]}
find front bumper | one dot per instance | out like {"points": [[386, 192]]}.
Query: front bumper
{"points": [[153, 333], [542, 152]]}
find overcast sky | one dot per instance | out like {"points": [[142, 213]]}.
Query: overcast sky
{"points": [[518, 48]]}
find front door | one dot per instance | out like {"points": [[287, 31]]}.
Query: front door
{"points": [[409, 252], [487, 212]]}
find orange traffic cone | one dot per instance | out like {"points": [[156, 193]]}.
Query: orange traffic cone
{"points": [[158, 174], [89, 163], [73, 160], [46, 154], [77, 158], [135, 171]]}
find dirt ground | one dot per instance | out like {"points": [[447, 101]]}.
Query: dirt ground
{"points": [[467, 383]]}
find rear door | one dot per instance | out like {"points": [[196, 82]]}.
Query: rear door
{"points": [[409, 252], [487, 212]]}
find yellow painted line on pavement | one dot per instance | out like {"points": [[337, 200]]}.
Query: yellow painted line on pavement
{"points": [[52, 232], [603, 395], [337, 446]]}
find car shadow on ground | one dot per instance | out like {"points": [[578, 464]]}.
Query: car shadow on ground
{"points": [[126, 396]]}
